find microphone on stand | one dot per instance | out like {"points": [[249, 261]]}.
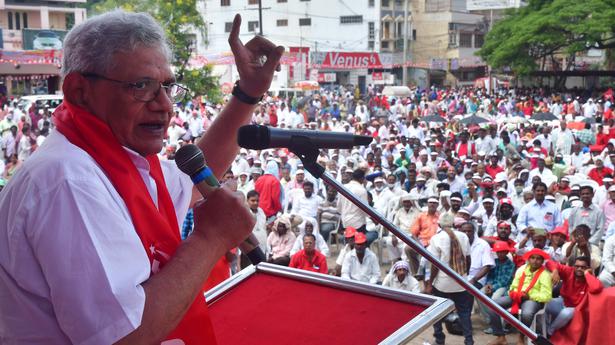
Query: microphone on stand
{"points": [[257, 137], [190, 160]]}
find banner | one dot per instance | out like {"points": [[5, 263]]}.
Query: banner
{"points": [[351, 60], [227, 58], [34, 39], [327, 77], [477, 5], [22, 57]]}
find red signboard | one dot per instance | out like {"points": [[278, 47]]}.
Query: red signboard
{"points": [[351, 60], [377, 76]]}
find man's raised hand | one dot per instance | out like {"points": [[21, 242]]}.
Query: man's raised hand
{"points": [[256, 61]]}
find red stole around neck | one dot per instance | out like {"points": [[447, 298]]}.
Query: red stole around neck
{"points": [[156, 226]]}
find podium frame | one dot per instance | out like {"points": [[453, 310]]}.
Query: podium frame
{"points": [[436, 307]]}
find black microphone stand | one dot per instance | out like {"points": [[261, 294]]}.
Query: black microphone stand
{"points": [[308, 153]]}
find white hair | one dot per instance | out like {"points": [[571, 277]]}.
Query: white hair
{"points": [[91, 45]]}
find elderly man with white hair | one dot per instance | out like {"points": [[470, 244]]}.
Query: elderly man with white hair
{"points": [[90, 237]]}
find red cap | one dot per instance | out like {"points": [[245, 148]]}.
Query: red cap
{"points": [[359, 238], [560, 230], [487, 184], [536, 251], [506, 201], [501, 246], [505, 222], [349, 232]]}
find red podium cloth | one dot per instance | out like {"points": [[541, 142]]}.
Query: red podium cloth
{"points": [[592, 322], [268, 309]]}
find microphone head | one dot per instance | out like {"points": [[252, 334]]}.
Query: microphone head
{"points": [[362, 140], [189, 159], [253, 137]]}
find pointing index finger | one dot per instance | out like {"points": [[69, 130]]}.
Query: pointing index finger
{"points": [[233, 38]]}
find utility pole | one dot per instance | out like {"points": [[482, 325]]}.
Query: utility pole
{"points": [[404, 68], [260, 17]]}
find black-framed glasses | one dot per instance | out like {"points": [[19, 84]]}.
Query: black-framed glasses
{"points": [[147, 90]]}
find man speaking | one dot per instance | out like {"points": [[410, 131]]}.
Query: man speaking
{"points": [[90, 251]]}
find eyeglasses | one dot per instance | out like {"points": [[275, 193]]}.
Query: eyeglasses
{"points": [[147, 90]]}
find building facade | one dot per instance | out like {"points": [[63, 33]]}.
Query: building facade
{"points": [[32, 34], [312, 31]]}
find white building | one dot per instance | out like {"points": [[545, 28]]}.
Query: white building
{"points": [[319, 27]]}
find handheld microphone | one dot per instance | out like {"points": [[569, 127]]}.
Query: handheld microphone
{"points": [[262, 137], [190, 160]]}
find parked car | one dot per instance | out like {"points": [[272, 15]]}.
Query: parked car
{"points": [[47, 40], [41, 101]]}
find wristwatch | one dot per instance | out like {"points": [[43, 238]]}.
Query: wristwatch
{"points": [[242, 96]]}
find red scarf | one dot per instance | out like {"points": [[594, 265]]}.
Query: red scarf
{"points": [[516, 295], [157, 227]]}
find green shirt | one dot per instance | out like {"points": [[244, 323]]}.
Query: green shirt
{"points": [[541, 292]]}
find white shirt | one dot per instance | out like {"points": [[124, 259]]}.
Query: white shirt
{"points": [[480, 254], [306, 207], [440, 247], [72, 262], [368, 271], [260, 228], [408, 284], [351, 214]]}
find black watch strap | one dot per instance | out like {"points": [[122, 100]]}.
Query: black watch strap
{"points": [[242, 96]]}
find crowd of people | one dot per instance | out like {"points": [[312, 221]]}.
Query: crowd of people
{"points": [[523, 208]]}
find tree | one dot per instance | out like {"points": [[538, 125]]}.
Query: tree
{"points": [[182, 22], [545, 31]]}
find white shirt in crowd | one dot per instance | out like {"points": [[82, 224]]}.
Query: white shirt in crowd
{"points": [[368, 271]]}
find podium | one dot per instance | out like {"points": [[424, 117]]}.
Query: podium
{"points": [[270, 304]]}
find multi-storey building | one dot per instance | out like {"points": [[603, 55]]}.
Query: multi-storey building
{"points": [[32, 34], [346, 42]]}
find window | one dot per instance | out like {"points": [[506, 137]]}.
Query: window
{"points": [[452, 39], [400, 29], [479, 40], [252, 25], [10, 14], [252, 2], [228, 26], [384, 45], [282, 22], [370, 45], [371, 30], [17, 21], [351, 19], [385, 3], [465, 40], [414, 35], [225, 2], [370, 3], [282, 0], [25, 20], [305, 21]]}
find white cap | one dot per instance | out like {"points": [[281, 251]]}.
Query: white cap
{"points": [[481, 153], [488, 200], [612, 188], [433, 199], [422, 152], [501, 177], [299, 171], [607, 179], [378, 179], [420, 178]]}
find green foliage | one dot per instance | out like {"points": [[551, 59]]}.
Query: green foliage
{"points": [[548, 28], [181, 21]]}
